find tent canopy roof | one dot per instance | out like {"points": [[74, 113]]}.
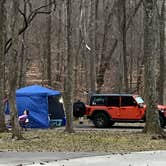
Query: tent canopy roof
{"points": [[36, 90]]}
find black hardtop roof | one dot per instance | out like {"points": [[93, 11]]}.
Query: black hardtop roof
{"points": [[113, 94]]}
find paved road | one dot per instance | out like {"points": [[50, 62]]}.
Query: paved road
{"points": [[115, 127], [154, 158], [28, 158], [134, 159], [135, 127]]}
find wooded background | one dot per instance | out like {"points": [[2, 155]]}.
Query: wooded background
{"points": [[82, 47], [107, 39]]}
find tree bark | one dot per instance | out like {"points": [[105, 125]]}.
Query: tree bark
{"points": [[68, 94], [103, 66], [152, 115], [21, 73], [92, 37], [161, 78], [122, 44], [2, 63], [124, 34], [23, 56], [58, 66], [13, 69], [48, 44]]}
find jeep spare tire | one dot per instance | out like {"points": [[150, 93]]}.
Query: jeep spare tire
{"points": [[79, 109]]}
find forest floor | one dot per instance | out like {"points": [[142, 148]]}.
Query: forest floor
{"points": [[56, 140]]}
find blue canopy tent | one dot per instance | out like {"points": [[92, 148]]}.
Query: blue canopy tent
{"points": [[42, 103]]}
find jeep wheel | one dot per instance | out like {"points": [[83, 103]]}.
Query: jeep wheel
{"points": [[162, 123], [101, 120]]}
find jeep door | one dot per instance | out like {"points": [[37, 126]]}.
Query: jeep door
{"points": [[129, 108], [113, 106]]}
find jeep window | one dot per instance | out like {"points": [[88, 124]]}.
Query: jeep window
{"points": [[113, 101], [139, 100], [128, 101], [98, 100]]}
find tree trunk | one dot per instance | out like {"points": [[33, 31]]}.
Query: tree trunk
{"points": [[58, 66], [16, 130], [92, 37], [123, 48], [21, 73], [68, 94], [48, 45], [161, 78], [13, 69], [2, 63], [22, 64], [124, 31], [105, 57], [152, 115], [105, 61]]}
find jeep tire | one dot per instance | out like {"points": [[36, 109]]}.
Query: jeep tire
{"points": [[101, 120]]}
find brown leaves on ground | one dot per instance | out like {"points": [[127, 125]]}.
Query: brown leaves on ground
{"points": [[81, 141]]}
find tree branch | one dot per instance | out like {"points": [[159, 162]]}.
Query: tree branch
{"points": [[24, 16], [133, 14], [29, 19]]}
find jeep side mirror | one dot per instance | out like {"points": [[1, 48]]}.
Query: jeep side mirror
{"points": [[140, 105]]}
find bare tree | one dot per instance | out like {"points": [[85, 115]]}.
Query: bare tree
{"points": [[68, 94], [28, 20], [92, 37], [2, 63], [58, 66], [161, 78], [23, 63], [48, 44], [13, 69], [124, 45], [152, 115], [46, 49]]}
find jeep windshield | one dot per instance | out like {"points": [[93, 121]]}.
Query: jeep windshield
{"points": [[139, 100]]}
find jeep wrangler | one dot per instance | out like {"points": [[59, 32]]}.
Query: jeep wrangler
{"points": [[106, 109]]}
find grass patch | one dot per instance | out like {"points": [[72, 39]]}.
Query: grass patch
{"points": [[81, 141]]}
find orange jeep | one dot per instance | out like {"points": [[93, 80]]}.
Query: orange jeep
{"points": [[106, 109]]}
